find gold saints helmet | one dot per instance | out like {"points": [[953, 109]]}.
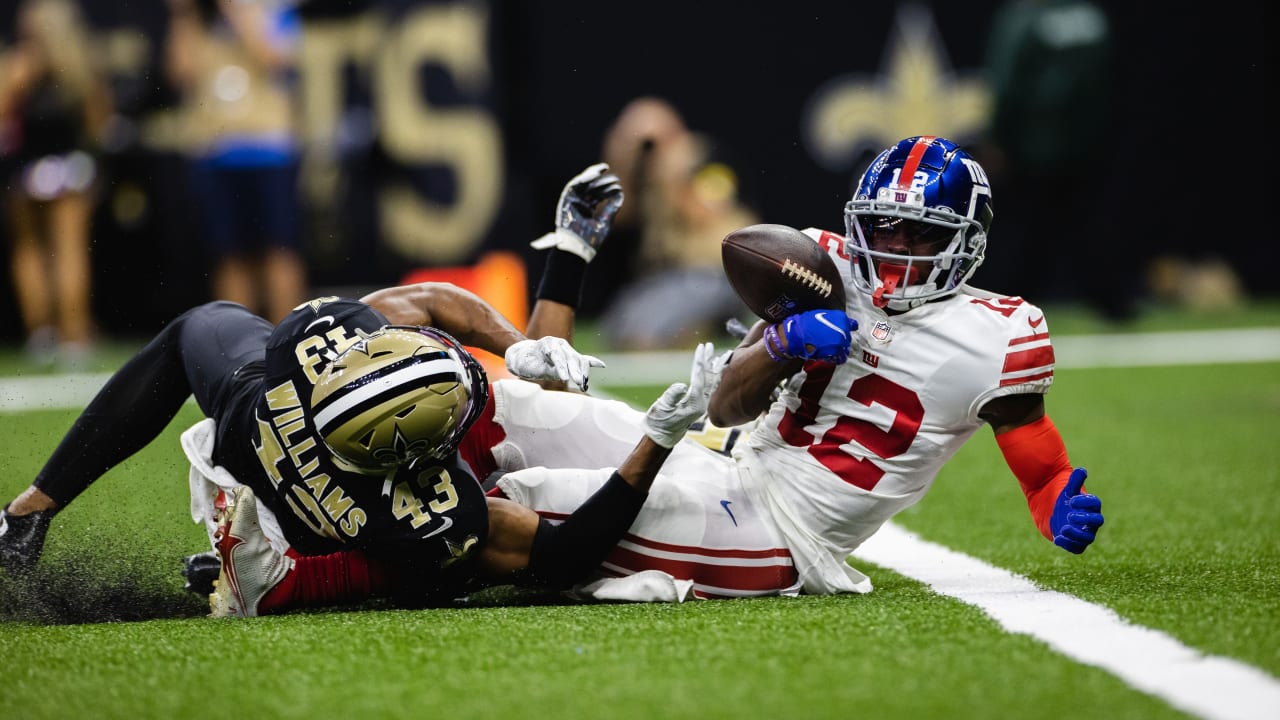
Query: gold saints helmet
{"points": [[397, 395]]}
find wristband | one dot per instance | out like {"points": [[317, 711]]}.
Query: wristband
{"points": [[770, 338]]}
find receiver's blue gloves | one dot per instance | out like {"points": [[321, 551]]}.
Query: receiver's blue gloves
{"points": [[1076, 516], [816, 335]]}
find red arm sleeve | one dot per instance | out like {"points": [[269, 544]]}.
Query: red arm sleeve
{"points": [[1038, 458]]}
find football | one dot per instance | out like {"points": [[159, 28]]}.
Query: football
{"points": [[779, 271]]}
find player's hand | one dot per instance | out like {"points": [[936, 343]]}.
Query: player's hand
{"points": [[550, 358], [671, 415], [817, 335], [585, 213], [1076, 516]]}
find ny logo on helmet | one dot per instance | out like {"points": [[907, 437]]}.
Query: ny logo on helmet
{"points": [[976, 173]]}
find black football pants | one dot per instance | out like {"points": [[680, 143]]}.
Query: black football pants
{"points": [[214, 352]]}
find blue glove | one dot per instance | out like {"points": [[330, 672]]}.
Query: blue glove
{"points": [[817, 335], [1076, 516]]}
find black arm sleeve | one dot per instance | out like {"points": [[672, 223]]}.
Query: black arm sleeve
{"points": [[564, 554]]}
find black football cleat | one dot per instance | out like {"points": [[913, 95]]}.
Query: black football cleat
{"points": [[22, 539], [200, 571]]}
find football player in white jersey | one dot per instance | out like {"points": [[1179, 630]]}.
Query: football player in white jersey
{"points": [[869, 410]]}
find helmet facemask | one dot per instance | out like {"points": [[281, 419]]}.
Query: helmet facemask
{"points": [[904, 281]]}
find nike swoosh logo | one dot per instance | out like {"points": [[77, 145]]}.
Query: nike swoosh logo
{"points": [[1036, 322], [725, 504], [822, 318], [448, 523], [327, 319]]}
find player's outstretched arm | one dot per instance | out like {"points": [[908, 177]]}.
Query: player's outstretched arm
{"points": [[584, 216], [445, 306], [523, 548], [476, 323], [747, 384], [1063, 511]]}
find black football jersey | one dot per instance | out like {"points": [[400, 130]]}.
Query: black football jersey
{"points": [[432, 512]]}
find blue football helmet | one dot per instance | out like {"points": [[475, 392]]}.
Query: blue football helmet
{"points": [[937, 193]]}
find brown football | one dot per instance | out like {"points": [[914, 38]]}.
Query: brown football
{"points": [[779, 271]]}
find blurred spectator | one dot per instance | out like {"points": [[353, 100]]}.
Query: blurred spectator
{"points": [[234, 62], [1204, 284], [54, 107], [1053, 131], [681, 200]]}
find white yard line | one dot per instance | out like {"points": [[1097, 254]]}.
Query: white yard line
{"points": [[46, 392], [49, 392], [1071, 352], [1211, 687]]}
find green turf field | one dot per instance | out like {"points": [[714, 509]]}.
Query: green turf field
{"points": [[1185, 458]]}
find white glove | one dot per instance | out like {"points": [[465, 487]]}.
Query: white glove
{"points": [[550, 358], [585, 213], [671, 415]]}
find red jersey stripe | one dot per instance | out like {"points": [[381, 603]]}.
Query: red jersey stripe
{"points": [[773, 577], [781, 553], [709, 552], [1028, 359], [1028, 338], [1005, 382]]}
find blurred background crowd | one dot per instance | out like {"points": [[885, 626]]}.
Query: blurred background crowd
{"points": [[160, 153]]}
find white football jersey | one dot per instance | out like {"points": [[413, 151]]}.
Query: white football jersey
{"points": [[845, 447]]}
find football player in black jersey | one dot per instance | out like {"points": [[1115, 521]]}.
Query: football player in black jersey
{"points": [[344, 421]]}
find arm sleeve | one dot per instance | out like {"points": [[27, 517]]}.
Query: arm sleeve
{"points": [[1038, 458], [564, 554]]}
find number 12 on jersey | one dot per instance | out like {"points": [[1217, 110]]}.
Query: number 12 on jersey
{"points": [[830, 449]]}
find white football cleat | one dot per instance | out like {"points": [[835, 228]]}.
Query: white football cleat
{"points": [[251, 567]]}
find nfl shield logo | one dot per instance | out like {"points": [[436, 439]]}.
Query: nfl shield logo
{"points": [[880, 331]]}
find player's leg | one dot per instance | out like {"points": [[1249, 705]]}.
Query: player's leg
{"points": [[70, 217], [525, 425], [199, 352], [30, 275], [697, 525], [284, 272]]}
